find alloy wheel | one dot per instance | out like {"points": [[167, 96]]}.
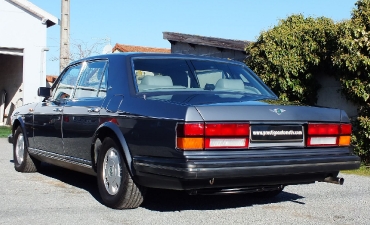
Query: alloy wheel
{"points": [[19, 149], [112, 171]]}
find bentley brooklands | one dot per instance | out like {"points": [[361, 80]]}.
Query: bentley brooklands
{"points": [[182, 122]]}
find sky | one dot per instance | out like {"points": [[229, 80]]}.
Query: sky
{"points": [[141, 22]]}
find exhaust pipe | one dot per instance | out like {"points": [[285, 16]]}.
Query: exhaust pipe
{"points": [[334, 180]]}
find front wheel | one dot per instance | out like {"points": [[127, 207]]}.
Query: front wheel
{"points": [[23, 162], [116, 187]]}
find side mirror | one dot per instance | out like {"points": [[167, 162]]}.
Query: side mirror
{"points": [[44, 92]]}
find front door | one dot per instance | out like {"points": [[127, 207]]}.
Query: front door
{"points": [[47, 127], [48, 115]]}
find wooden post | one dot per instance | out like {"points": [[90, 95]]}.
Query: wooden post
{"points": [[64, 36]]}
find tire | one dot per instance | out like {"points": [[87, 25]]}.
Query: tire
{"points": [[23, 162], [116, 187]]}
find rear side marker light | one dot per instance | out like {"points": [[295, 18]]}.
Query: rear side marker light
{"points": [[108, 119]]}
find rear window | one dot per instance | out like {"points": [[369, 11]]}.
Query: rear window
{"points": [[158, 74]]}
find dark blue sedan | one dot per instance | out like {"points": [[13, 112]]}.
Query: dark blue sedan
{"points": [[182, 122]]}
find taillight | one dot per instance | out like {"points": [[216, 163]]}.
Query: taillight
{"points": [[329, 134], [190, 136], [226, 135], [227, 129], [190, 129], [323, 129], [200, 136], [346, 129]]}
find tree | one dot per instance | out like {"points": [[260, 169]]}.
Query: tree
{"points": [[82, 49], [352, 60], [288, 56]]}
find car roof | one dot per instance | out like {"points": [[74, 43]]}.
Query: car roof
{"points": [[164, 55]]}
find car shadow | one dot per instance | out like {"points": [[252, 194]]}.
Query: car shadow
{"points": [[73, 178], [169, 201]]}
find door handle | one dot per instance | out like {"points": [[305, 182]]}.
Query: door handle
{"points": [[93, 110], [58, 110]]}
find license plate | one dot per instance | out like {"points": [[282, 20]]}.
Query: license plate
{"points": [[276, 133]]}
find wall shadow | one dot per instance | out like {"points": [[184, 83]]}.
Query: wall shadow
{"points": [[73, 178]]}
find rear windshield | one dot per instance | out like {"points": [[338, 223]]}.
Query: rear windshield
{"points": [[158, 74]]}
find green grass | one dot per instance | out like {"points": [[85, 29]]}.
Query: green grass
{"points": [[363, 171], [4, 131]]}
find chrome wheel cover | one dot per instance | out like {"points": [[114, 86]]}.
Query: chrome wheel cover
{"points": [[19, 149], [112, 171]]}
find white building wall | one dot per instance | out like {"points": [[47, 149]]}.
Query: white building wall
{"points": [[329, 95], [22, 30]]}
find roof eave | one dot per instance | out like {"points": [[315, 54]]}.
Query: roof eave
{"points": [[45, 17], [207, 41]]}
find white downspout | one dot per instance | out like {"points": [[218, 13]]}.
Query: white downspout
{"points": [[42, 60]]}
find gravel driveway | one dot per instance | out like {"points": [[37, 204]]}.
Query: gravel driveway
{"points": [[59, 196]]}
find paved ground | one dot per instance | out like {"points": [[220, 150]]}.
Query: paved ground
{"points": [[59, 196]]}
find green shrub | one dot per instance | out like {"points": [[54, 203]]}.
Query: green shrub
{"points": [[352, 60], [361, 138], [289, 56]]}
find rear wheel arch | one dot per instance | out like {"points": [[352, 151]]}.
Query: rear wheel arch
{"points": [[116, 186], [110, 130]]}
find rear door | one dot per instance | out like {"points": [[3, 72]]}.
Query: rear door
{"points": [[81, 112]]}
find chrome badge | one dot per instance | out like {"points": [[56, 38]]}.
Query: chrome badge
{"points": [[278, 111]]}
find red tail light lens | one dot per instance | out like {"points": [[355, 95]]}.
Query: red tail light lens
{"points": [[323, 129], [346, 129], [227, 129], [190, 129]]}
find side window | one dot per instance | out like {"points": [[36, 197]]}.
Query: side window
{"points": [[90, 79], [103, 86], [67, 83]]}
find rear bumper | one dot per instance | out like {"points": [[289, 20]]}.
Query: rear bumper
{"points": [[232, 168], [257, 170]]}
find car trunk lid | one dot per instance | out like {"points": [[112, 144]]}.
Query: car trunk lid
{"points": [[262, 112]]}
